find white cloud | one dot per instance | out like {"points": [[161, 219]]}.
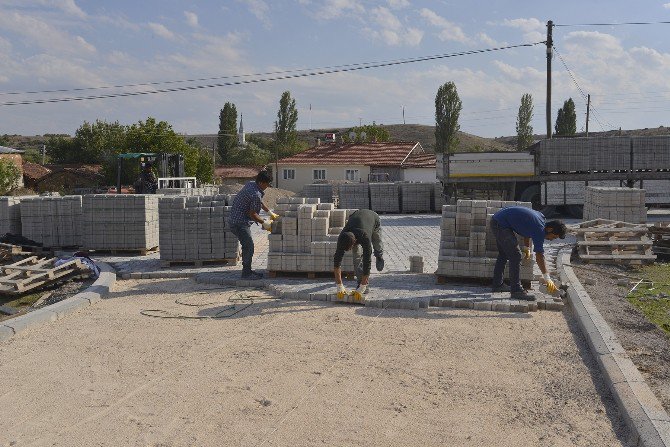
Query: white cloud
{"points": [[449, 31], [161, 31], [398, 4], [533, 29], [488, 40], [391, 30], [333, 9], [69, 7], [666, 5], [191, 18], [260, 9]]}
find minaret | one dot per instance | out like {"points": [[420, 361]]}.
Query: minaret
{"points": [[240, 134]]}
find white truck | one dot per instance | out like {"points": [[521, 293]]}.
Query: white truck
{"points": [[554, 173]]}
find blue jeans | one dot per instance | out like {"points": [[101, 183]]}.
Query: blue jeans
{"points": [[243, 233], [508, 250]]}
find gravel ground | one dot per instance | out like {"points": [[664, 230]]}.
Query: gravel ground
{"points": [[287, 373], [647, 345]]}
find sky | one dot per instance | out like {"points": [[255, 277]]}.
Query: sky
{"points": [[224, 51]]}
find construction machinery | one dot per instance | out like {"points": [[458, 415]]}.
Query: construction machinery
{"points": [[169, 167]]}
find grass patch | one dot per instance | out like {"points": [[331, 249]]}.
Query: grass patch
{"points": [[654, 300]]}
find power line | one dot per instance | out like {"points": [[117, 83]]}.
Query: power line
{"points": [[613, 24], [317, 72]]}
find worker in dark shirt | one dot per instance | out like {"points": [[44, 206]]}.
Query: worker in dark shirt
{"points": [[362, 231], [147, 183], [530, 224]]}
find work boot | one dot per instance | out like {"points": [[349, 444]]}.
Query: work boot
{"points": [[380, 263], [501, 288], [522, 295]]}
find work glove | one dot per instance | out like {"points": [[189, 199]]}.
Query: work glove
{"points": [[526, 252], [357, 294], [551, 287], [273, 216], [341, 291], [267, 225]]}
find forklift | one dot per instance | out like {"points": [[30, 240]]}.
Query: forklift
{"points": [[170, 169]]}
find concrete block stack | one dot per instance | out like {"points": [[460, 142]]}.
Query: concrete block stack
{"points": [[54, 222], [385, 197], [416, 264], [120, 222], [207, 190], [10, 215], [304, 239], [438, 197], [416, 197], [622, 204], [354, 196], [195, 229], [326, 192], [467, 246]]}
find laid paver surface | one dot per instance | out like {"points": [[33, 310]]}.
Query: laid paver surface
{"points": [[294, 373]]}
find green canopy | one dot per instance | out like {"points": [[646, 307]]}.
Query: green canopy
{"points": [[131, 155]]}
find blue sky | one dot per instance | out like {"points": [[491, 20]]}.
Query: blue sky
{"points": [[75, 44]]}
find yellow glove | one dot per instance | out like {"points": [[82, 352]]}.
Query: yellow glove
{"points": [[266, 225], [357, 294], [551, 287], [526, 252], [341, 292], [273, 216]]}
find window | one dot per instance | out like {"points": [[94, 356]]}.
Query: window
{"points": [[289, 174], [319, 174], [352, 174]]}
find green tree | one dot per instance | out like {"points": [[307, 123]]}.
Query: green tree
{"points": [[447, 111], [227, 136], [524, 131], [251, 155], [9, 176], [4, 140], [61, 149], [566, 120], [286, 135], [373, 133]]}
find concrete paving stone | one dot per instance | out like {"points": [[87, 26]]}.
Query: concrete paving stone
{"points": [[67, 306], [6, 332], [482, 305], [35, 318], [501, 306], [518, 307]]}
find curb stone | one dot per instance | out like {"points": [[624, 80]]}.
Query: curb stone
{"points": [[646, 418], [59, 310]]}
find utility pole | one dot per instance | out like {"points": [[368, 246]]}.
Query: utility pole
{"points": [[403, 114], [360, 122], [44, 153], [550, 44], [588, 109]]}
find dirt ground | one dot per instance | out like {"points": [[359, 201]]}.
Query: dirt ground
{"points": [[286, 373], [647, 345]]}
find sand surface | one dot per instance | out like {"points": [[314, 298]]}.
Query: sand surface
{"points": [[283, 373]]}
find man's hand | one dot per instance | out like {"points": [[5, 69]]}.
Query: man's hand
{"points": [[341, 291], [267, 225], [273, 216], [526, 252], [357, 294], [551, 287]]}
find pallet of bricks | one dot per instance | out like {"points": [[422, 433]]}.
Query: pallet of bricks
{"points": [[468, 249], [207, 190], [304, 239], [120, 223], [354, 196], [416, 197], [10, 214], [619, 204], [54, 222], [612, 242], [194, 231], [385, 197], [325, 192]]}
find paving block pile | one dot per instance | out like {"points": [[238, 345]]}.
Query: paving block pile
{"points": [[10, 215], [54, 222], [467, 247], [120, 222], [207, 190], [304, 239], [416, 197], [354, 196], [325, 192], [195, 229], [385, 197], [622, 204]]}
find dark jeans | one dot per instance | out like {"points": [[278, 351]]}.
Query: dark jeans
{"points": [[377, 250], [243, 233], [508, 250]]}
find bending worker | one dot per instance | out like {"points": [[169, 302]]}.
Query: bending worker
{"points": [[530, 224], [362, 230], [246, 206]]}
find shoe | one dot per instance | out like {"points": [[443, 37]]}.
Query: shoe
{"points": [[501, 288], [252, 275], [380, 264], [522, 295]]}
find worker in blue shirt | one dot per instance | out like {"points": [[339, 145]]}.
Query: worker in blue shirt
{"points": [[530, 224], [244, 211]]}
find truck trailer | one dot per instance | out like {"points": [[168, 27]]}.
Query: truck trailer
{"points": [[553, 174]]}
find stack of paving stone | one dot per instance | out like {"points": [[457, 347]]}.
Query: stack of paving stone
{"points": [[416, 264], [416, 197], [304, 239], [323, 191], [120, 222], [622, 204], [384, 197], [438, 197], [195, 229], [54, 222], [354, 196], [207, 190], [10, 215], [467, 246]]}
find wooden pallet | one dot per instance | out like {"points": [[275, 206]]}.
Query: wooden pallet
{"points": [[23, 249], [608, 241], [200, 263], [125, 251], [33, 272], [308, 275], [445, 279]]}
